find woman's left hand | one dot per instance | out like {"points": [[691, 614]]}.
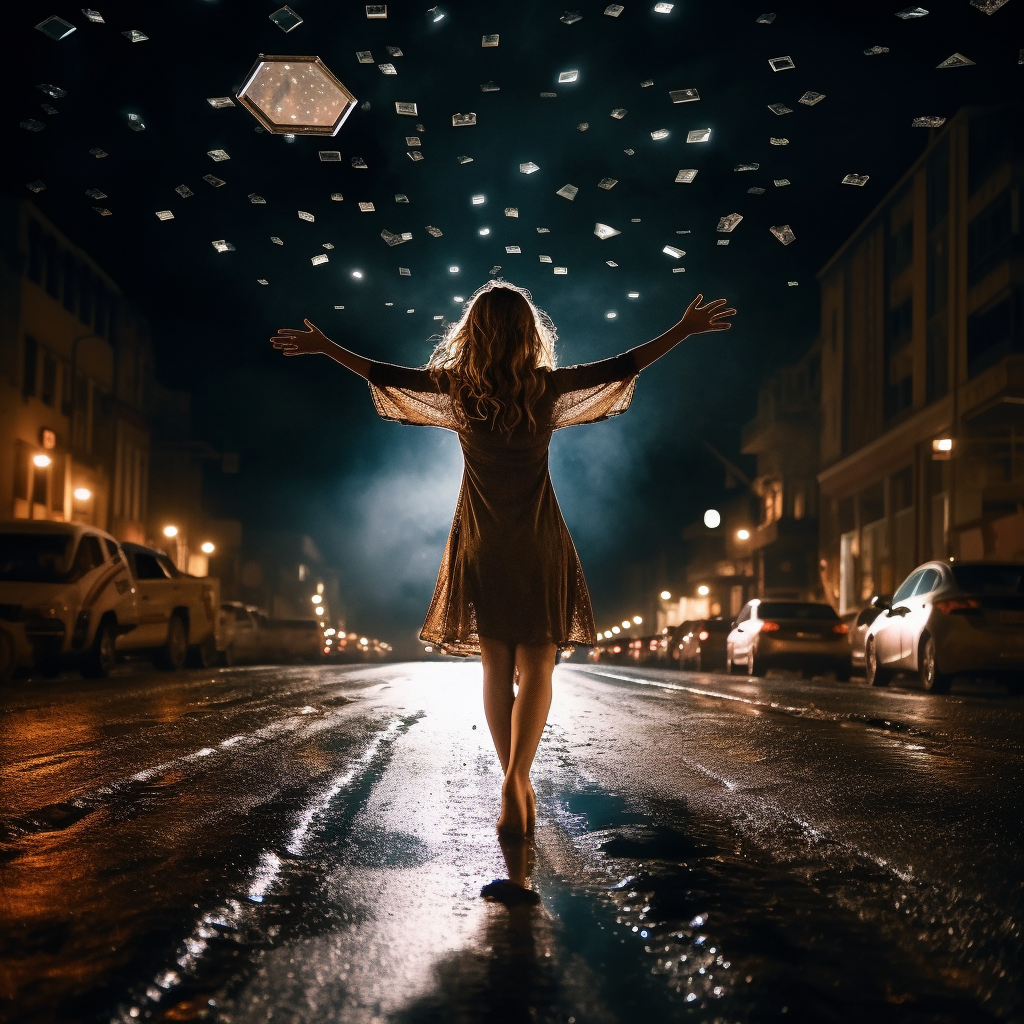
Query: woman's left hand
{"points": [[294, 342]]}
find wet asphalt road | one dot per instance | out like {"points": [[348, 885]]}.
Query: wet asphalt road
{"points": [[309, 844]]}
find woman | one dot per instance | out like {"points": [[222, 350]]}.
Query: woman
{"points": [[510, 585]]}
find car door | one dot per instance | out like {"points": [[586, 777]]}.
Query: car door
{"points": [[742, 634], [888, 627], [919, 608], [151, 583]]}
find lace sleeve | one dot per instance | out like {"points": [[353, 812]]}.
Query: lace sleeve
{"points": [[407, 395], [593, 391]]}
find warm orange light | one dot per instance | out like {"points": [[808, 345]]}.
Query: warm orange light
{"points": [[207, 547], [954, 604], [170, 531], [82, 494], [703, 635], [41, 460], [840, 627], [743, 535], [703, 590], [942, 444], [769, 627]]}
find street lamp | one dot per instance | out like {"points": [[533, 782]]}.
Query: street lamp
{"points": [[712, 519], [638, 619], [207, 547], [170, 531], [616, 630], [666, 596], [625, 623], [319, 610], [703, 590], [41, 460], [82, 494], [743, 535]]}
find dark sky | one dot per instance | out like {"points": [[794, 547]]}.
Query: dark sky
{"points": [[379, 497]]}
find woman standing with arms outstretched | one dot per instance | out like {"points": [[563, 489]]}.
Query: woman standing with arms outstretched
{"points": [[510, 586]]}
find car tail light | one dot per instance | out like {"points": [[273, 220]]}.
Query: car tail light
{"points": [[703, 635], [769, 627], [616, 649], [840, 627], [957, 604]]}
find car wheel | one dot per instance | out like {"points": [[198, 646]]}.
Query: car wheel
{"points": [[932, 679], [873, 672], [8, 659], [755, 665], [171, 657], [102, 656], [204, 655]]}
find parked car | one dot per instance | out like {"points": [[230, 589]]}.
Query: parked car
{"points": [[250, 636], [15, 650], [948, 619], [803, 635], [643, 649], [702, 647], [81, 598], [676, 638], [615, 651], [859, 630]]}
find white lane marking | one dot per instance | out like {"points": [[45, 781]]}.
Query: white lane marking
{"points": [[692, 689], [233, 914]]}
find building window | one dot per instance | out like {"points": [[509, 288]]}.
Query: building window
{"points": [[936, 362], [36, 256], [988, 146], [65, 389], [48, 390], [901, 249], [938, 184], [85, 296], [30, 366], [988, 238], [52, 267], [899, 360], [70, 283], [937, 272], [995, 331]]}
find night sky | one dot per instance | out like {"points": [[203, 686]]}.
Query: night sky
{"points": [[379, 497]]}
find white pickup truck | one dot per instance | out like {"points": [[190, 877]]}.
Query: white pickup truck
{"points": [[82, 598]]}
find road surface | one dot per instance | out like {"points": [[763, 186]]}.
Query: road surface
{"points": [[309, 844]]}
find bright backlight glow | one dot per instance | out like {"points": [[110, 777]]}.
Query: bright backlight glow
{"points": [[41, 460], [485, 231], [320, 610], [616, 630], [638, 619], [207, 547], [712, 518], [82, 494], [357, 273], [743, 535], [703, 590], [170, 531], [665, 595]]}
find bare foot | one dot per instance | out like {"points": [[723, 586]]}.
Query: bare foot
{"points": [[514, 817]]}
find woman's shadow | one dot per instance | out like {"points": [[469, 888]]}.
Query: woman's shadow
{"points": [[508, 975]]}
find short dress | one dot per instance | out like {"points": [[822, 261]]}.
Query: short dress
{"points": [[510, 571]]}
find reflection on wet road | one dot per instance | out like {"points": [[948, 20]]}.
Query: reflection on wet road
{"points": [[309, 844]]}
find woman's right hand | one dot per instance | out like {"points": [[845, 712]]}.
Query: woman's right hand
{"points": [[700, 319], [294, 342]]}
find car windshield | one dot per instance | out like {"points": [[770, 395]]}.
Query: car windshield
{"points": [[989, 579], [796, 610], [35, 557], [717, 626]]}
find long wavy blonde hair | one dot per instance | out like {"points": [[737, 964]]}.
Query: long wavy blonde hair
{"points": [[496, 355]]}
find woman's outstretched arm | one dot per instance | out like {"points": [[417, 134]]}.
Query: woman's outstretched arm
{"points": [[294, 342], [697, 319]]}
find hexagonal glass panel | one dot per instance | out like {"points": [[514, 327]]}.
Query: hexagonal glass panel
{"points": [[296, 96]]}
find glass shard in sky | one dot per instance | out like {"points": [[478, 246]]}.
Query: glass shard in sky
{"points": [[784, 233], [699, 135], [296, 96], [810, 98], [911, 12], [729, 222], [781, 63], [285, 19], [686, 175], [928, 121], [958, 60], [856, 179], [56, 28], [604, 231], [684, 95]]}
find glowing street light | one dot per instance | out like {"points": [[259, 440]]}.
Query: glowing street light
{"points": [[82, 494], [703, 590], [638, 619], [319, 610], [712, 519], [41, 460], [616, 630], [207, 547], [170, 531], [743, 535], [357, 274], [625, 623], [666, 596], [942, 444]]}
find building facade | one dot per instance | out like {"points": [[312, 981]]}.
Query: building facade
{"points": [[785, 438], [75, 362], [922, 361]]}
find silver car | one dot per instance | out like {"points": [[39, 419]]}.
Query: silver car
{"points": [[946, 620], [802, 635]]}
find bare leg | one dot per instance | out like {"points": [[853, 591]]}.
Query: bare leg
{"points": [[534, 664], [499, 668]]}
